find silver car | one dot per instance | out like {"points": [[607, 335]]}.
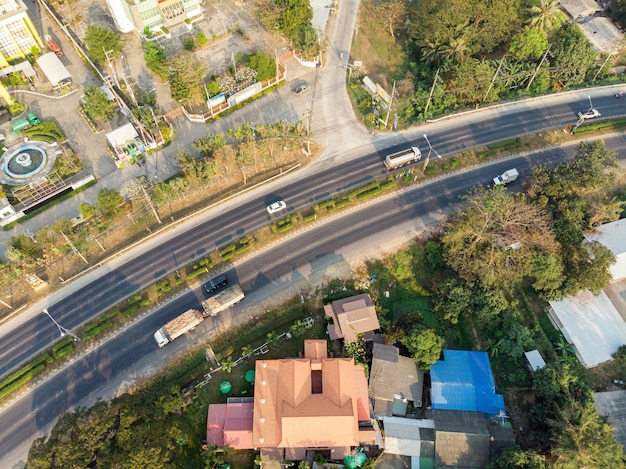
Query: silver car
{"points": [[590, 114]]}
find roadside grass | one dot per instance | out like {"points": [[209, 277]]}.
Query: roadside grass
{"points": [[381, 54]]}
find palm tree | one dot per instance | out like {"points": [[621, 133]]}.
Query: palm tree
{"points": [[247, 350], [273, 339], [298, 327], [431, 53], [227, 364], [456, 50], [544, 14]]}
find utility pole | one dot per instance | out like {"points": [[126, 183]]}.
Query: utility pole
{"points": [[145, 193], [74, 250], [393, 91], [234, 63], [432, 90], [493, 80], [539, 66]]}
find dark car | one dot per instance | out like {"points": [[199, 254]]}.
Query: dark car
{"points": [[216, 283], [303, 88]]}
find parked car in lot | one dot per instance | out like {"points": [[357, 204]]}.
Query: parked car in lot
{"points": [[276, 207], [303, 88], [590, 114]]}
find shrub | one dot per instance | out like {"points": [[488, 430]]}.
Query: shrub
{"points": [[342, 203], [97, 330], [64, 351], [189, 43], [388, 185], [64, 343], [110, 315], [312, 216], [130, 311], [241, 249], [201, 39], [193, 274], [286, 227], [21, 381], [227, 250]]}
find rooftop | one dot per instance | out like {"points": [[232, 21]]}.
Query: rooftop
{"points": [[351, 316], [464, 381], [592, 324]]}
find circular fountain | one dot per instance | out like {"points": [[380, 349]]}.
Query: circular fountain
{"points": [[26, 161]]}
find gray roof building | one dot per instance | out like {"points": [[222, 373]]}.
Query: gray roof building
{"points": [[394, 379], [462, 439]]}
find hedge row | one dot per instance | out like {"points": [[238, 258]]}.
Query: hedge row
{"points": [[371, 193], [110, 315], [286, 227], [227, 250], [25, 369], [64, 351], [101, 328], [21, 381], [242, 248], [328, 205], [369, 187], [193, 274], [134, 299], [130, 311], [389, 184], [342, 203], [59, 345]]}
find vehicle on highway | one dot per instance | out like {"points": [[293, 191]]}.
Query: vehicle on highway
{"points": [[216, 283], [590, 114], [506, 177], [276, 207], [178, 326], [303, 88], [223, 300], [400, 158]]}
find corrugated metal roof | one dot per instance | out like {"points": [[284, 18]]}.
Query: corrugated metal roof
{"points": [[613, 236], [592, 324], [463, 381], [53, 69], [535, 360]]}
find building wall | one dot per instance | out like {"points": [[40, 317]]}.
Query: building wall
{"points": [[153, 14], [18, 35]]}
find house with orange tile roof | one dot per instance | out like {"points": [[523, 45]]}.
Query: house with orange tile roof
{"points": [[300, 403], [351, 316]]}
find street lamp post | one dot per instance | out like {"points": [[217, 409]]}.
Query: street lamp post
{"points": [[62, 330], [430, 148]]}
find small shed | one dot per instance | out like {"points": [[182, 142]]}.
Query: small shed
{"points": [[54, 70], [535, 360]]}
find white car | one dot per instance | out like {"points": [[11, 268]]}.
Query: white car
{"points": [[276, 207], [590, 114]]}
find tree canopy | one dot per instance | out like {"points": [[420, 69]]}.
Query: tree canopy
{"points": [[97, 104], [102, 41]]}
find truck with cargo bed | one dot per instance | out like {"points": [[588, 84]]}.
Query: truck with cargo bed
{"points": [[223, 300], [178, 326], [506, 177], [400, 158]]}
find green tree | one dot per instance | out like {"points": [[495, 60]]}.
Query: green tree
{"points": [[582, 439], [496, 238], [355, 351], [108, 201], [573, 55], [293, 14], [530, 44], [393, 14], [227, 364], [156, 58], [102, 41], [515, 457], [86, 211], [97, 104], [424, 345], [209, 144], [546, 15], [186, 78], [264, 65], [189, 43], [213, 456], [471, 79]]}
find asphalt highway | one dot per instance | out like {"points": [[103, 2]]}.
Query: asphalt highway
{"points": [[292, 259], [315, 184]]}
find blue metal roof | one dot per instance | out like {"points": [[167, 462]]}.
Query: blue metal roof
{"points": [[464, 381]]}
